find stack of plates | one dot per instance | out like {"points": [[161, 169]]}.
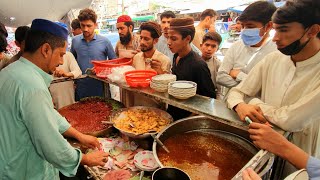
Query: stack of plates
{"points": [[160, 82], [182, 89]]}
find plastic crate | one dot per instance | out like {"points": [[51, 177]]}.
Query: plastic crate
{"points": [[103, 68]]}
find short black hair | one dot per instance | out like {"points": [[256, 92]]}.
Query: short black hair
{"points": [[75, 24], [187, 32], [305, 12], [129, 23], [3, 43], [259, 11], [167, 14], [20, 33], [214, 36], [208, 12], [36, 38]]}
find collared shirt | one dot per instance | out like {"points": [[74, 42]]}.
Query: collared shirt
{"points": [[313, 168], [244, 58], [132, 45], [290, 96], [99, 48], [63, 92], [13, 59], [213, 65], [192, 68], [139, 61], [31, 144]]}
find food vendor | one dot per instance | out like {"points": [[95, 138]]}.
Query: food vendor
{"points": [[288, 80], [31, 143]]}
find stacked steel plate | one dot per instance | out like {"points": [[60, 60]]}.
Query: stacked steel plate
{"points": [[182, 89], [160, 82]]}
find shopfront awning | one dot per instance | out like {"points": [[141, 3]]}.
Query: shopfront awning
{"points": [[143, 18], [15, 13], [240, 9]]}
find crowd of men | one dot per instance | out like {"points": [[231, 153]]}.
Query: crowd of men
{"points": [[269, 75]]}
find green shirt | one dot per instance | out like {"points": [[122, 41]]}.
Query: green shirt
{"points": [[31, 144]]}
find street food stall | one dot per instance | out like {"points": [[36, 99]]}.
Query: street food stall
{"points": [[209, 143]]}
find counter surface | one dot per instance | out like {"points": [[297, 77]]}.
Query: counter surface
{"points": [[202, 105], [212, 108]]}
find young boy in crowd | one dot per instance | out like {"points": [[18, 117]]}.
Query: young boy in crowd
{"points": [[187, 64], [210, 44]]}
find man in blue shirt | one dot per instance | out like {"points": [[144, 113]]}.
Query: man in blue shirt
{"points": [[86, 47]]}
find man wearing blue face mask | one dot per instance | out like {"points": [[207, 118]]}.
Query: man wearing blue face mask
{"points": [[255, 43], [288, 80]]}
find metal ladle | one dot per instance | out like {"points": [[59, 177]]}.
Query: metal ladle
{"points": [[107, 122], [160, 143], [112, 123], [156, 139]]}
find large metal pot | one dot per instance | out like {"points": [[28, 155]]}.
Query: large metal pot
{"points": [[202, 123], [115, 105]]}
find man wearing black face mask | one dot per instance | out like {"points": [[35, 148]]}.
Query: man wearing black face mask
{"points": [[288, 81]]}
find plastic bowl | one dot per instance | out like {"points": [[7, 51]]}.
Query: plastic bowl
{"points": [[139, 78], [103, 68]]}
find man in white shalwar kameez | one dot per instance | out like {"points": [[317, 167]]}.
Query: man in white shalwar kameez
{"points": [[288, 80]]}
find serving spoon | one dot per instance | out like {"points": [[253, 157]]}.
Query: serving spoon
{"points": [[160, 143], [112, 123]]}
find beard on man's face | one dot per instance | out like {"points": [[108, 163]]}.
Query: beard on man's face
{"points": [[126, 39], [146, 48]]}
